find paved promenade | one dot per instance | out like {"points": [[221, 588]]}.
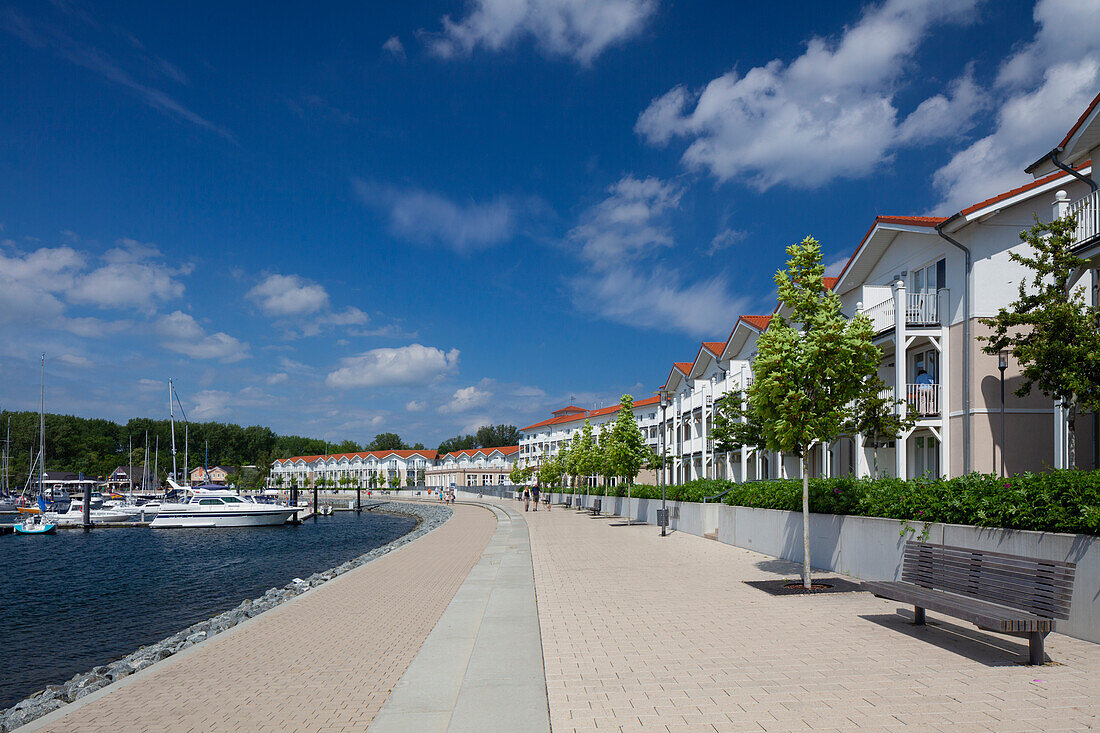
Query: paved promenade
{"points": [[325, 661], [642, 633]]}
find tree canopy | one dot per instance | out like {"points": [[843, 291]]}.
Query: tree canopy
{"points": [[1050, 330], [488, 436], [387, 441]]}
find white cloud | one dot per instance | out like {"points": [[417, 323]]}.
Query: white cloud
{"points": [[182, 333], [406, 365], [277, 378], [618, 238], [466, 398], [394, 47], [303, 306], [624, 225], [725, 239], [288, 295], [578, 29], [827, 114], [415, 406], [133, 277], [75, 360], [1041, 89], [429, 218]]}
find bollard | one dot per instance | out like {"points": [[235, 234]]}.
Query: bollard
{"points": [[314, 503], [87, 507], [358, 499]]}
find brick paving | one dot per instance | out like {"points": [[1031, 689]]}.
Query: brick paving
{"points": [[326, 661], [641, 633]]}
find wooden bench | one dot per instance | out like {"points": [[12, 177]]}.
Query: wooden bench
{"points": [[567, 501], [1005, 594], [597, 506]]}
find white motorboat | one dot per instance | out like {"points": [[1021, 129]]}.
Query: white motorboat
{"points": [[75, 515], [137, 511], [214, 505]]}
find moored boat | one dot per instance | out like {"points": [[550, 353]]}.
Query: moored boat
{"points": [[214, 505]]}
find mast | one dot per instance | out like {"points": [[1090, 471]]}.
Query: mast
{"points": [[42, 430], [130, 464], [156, 464], [7, 450], [172, 421], [186, 441], [145, 465]]}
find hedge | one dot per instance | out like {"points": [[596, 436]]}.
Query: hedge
{"points": [[1056, 501]]}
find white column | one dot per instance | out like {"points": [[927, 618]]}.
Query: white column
{"points": [[1061, 429], [901, 463], [944, 378]]}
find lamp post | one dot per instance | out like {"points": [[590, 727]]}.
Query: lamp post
{"points": [[1002, 364]]}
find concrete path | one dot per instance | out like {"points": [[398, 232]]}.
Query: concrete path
{"points": [[481, 668], [325, 661], [642, 633]]}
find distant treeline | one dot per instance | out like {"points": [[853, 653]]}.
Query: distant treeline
{"points": [[97, 447]]}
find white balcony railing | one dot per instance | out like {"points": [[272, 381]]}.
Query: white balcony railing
{"points": [[921, 309], [922, 400], [1087, 211]]}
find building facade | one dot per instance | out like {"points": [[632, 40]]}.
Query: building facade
{"points": [[473, 467], [368, 469]]}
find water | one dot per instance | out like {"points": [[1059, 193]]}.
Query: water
{"points": [[72, 601]]}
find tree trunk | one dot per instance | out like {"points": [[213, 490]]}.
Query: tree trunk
{"points": [[1071, 434], [805, 525]]}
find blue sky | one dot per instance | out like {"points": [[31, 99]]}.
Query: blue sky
{"points": [[422, 217]]}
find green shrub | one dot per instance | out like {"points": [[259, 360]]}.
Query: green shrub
{"points": [[1055, 501]]}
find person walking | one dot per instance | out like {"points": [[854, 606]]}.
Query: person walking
{"points": [[526, 498], [535, 495]]}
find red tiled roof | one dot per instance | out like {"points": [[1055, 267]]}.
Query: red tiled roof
{"points": [[758, 322], [914, 221], [714, 347], [684, 366], [584, 414], [1020, 189], [829, 282], [1080, 121], [570, 408], [506, 450], [365, 454]]}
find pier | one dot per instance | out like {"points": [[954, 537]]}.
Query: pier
{"points": [[502, 620]]}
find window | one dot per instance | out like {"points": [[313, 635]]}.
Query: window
{"points": [[210, 502]]}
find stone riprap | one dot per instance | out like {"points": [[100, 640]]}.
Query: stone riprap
{"points": [[428, 517]]}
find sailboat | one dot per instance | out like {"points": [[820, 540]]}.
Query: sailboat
{"points": [[36, 523]]}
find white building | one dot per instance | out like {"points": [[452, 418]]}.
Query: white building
{"points": [[385, 469], [474, 467], [547, 438]]}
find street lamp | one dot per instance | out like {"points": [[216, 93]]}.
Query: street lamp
{"points": [[661, 465], [1002, 364]]}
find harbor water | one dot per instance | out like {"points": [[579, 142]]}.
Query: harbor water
{"points": [[75, 600]]}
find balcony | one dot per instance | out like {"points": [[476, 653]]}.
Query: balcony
{"points": [[1087, 211], [921, 309], [922, 400]]}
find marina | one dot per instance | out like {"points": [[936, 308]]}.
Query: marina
{"points": [[100, 595]]}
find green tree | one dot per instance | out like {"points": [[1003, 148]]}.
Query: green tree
{"points": [[877, 418], [550, 470], [626, 451], [1050, 330], [457, 443], [519, 476], [495, 436], [387, 441], [808, 372], [587, 454], [572, 460]]}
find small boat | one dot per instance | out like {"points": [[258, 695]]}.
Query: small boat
{"points": [[214, 505], [35, 524], [325, 510], [75, 515]]}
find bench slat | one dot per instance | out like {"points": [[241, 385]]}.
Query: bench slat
{"points": [[983, 614], [1035, 586]]}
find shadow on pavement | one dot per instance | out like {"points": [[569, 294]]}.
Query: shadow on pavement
{"points": [[987, 649]]}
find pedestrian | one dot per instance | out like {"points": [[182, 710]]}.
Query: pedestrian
{"points": [[535, 494], [526, 498]]}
